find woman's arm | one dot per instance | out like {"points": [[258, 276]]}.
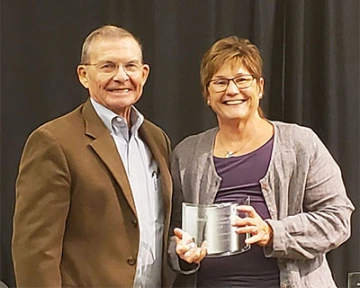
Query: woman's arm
{"points": [[324, 222]]}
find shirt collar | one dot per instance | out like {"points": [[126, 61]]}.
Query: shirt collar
{"points": [[108, 117]]}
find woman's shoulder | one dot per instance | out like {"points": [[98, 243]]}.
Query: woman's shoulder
{"points": [[293, 131], [203, 140], [296, 137]]}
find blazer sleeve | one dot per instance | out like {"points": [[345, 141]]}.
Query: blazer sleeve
{"points": [[324, 222], [42, 204]]}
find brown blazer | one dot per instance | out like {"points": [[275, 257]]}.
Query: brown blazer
{"points": [[75, 222]]}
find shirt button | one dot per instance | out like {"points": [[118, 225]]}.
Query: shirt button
{"points": [[131, 261], [134, 222]]}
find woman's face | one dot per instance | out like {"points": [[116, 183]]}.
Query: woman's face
{"points": [[234, 103]]}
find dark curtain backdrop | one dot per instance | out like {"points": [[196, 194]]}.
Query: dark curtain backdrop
{"points": [[311, 69]]}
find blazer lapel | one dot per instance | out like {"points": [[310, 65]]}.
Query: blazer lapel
{"points": [[105, 148]]}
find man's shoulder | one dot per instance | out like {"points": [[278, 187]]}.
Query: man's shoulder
{"points": [[64, 124], [152, 126], [153, 129]]}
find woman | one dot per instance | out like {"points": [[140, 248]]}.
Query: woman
{"points": [[299, 209]]}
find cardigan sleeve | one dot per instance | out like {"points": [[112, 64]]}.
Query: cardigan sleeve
{"points": [[177, 264], [324, 219]]}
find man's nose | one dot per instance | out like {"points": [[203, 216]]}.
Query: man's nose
{"points": [[120, 74]]}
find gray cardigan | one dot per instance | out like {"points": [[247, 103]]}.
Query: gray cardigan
{"points": [[304, 192]]}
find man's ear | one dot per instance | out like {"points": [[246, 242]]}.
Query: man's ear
{"points": [[145, 72], [83, 76]]}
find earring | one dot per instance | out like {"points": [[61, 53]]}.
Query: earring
{"points": [[260, 95], [208, 102]]}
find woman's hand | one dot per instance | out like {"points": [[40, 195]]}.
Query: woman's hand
{"points": [[260, 230], [187, 249]]}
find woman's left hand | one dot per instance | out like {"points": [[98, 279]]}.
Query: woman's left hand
{"points": [[261, 231]]}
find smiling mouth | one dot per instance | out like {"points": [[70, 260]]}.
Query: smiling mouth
{"points": [[123, 90], [234, 102]]}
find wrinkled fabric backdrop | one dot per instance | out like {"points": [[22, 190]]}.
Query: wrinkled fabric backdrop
{"points": [[311, 69]]}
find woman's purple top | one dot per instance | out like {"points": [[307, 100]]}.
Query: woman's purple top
{"points": [[240, 178]]}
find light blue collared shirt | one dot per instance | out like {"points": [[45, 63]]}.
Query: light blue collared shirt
{"points": [[142, 172]]}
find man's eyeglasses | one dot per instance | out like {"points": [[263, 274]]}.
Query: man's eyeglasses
{"points": [[221, 84], [110, 67]]}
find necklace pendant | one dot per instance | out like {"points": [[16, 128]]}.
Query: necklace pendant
{"points": [[229, 154]]}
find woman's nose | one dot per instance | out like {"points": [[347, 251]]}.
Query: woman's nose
{"points": [[232, 88]]}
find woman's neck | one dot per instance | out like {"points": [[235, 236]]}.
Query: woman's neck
{"points": [[241, 137], [240, 130]]}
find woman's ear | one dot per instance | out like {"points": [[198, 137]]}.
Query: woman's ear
{"points": [[261, 83]]}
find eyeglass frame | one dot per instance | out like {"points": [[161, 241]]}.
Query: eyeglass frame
{"points": [[232, 79], [117, 66]]}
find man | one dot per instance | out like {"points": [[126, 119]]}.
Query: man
{"points": [[93, 191]]}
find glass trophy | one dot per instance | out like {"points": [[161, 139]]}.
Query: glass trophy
{"points": [[213, 223]]}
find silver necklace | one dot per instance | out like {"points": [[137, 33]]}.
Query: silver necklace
{"points": [[230, 154]]}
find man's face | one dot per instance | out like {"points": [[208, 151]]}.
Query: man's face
{"points": [[115, 75]]}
